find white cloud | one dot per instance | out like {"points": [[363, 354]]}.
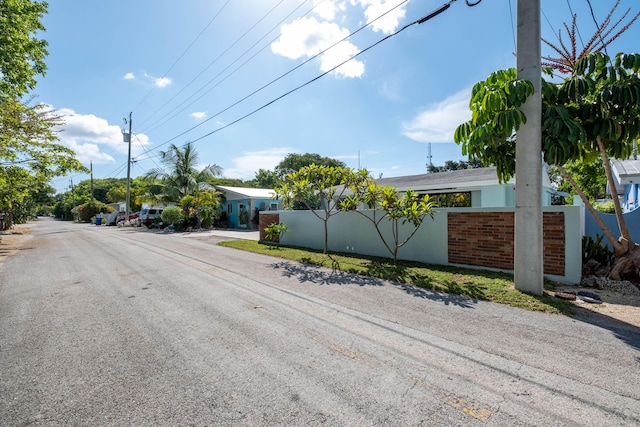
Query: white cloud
{"points": [[94, 139], [375, 8], [307, 37], [198, 115], [129, 76], [159, 81], [162, 82], [246, 165], [327, 9], [438, 122]]}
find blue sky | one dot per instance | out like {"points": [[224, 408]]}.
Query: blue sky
{"points": [[197, 70]]}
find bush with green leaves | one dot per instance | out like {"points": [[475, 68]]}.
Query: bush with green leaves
{"points": [[605, 207], [171, 215], [89, 210], [274, 232]]}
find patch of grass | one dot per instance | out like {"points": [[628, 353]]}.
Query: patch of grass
{"points": [[474, 284]]}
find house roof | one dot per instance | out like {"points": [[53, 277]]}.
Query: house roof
{"points": [[233, 193], [626, 171], [444, 182]]}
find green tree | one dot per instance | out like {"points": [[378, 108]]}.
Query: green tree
{"points": [[180, 176], [266, 179], [327, 184], [29, 156], [594, 113], [395, 208], [22, 53], [452, 165], [294, 162]]}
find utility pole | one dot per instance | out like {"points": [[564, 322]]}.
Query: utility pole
{"points": [[528, 258], [73, 198], [126, 209], [91, 168], [430, 158]]}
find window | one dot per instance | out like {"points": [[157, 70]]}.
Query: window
{"points": [[229, 208]]}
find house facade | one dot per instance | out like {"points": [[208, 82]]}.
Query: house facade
{"points": [[249, 201], [627, 176], [482, 184]]}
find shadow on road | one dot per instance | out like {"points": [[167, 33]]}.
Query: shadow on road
{"points": [[309, 273], [625, 332]]}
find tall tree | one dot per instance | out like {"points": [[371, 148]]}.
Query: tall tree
{"points": [[181, 174], [22, 53], [594, 113], [29, 156], [294, 162]]}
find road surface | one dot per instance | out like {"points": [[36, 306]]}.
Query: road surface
{"points": [[102, 326]]}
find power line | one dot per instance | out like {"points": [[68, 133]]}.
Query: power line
{"points": [[418, 21], [215, 61], [159, 122], [294, 69], [183, 53]]}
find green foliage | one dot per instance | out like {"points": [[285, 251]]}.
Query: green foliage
{"points": [[266, 179], [452, 165], [21, 52], [605, 207], [171, 215], [594, 113], [274, 232], [243, 217], [326, 184], [180, 175], [396, 208], [590, 177], [87, 211], [292, 163], [596, 250]]}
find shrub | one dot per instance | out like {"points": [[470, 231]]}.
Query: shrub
{"points": [[171, 215], [605, 207], [89, 210], [274, 232]]}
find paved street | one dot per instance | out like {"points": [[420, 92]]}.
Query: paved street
{"points": [[104, 326]]}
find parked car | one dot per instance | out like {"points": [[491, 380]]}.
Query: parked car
{"points": [[148, 216]]}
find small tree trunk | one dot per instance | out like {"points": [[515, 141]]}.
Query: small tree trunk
{"points": [[624, 231]]}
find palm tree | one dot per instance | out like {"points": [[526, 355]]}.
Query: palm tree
{"points": [[180, 175]]}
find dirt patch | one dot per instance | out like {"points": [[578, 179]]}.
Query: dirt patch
{"points": [[619, 305], [12, 240]]}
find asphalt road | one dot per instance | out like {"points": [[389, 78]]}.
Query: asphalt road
{"points": [[103, 326]]}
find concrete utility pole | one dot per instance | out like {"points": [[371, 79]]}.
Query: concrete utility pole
{"points": [[528, 259], [126, 208]]}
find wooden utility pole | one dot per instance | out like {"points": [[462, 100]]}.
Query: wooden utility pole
{"points": [[528, 258]]}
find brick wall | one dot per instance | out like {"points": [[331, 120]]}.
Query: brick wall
{"points": [[266, 219], [486, 239]]}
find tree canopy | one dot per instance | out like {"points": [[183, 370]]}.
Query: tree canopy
{"points": [[593, 113], [22, 53]]}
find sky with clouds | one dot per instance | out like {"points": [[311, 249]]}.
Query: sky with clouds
{"points": [[250, 81]]}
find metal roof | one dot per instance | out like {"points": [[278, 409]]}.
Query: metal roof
{"points": [[626, 171], [246, 193], [457, 180]]}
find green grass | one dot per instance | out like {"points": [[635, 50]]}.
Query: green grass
{"points": [[474, 284]]}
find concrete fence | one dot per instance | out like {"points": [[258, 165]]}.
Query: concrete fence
{"points": [[467, 237]]}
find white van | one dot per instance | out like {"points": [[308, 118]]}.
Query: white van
{"points": [[148, 216]]}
